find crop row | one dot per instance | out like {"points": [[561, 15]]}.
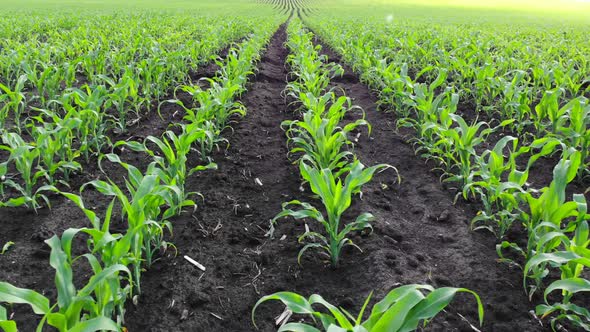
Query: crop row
{"points": [[320, 142], [148, 202], [426, 98], [48, 127], [543, 91], [63, 62]]}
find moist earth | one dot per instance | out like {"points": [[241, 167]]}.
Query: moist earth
{"points": [[419, 235]]}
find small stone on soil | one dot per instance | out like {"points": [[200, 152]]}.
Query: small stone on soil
{"points": [[198, 298], [184, 315], [444, 216]]}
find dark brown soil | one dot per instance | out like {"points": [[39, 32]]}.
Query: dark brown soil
{"points": [[419, 237]]}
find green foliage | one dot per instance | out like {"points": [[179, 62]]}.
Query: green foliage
{"points": [[321, 140], [402, 309], [5, 247], [25, 158], [433, 75], [319, 135], [336, 197], [85, 309]]}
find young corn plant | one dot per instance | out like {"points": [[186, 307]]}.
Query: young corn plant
{"points": [[544, 217], [515, 101], [124, 93], [46, 78], [425, 99], [170, 162], [498, 197], [87, 105], [13, 102], [216, 104], [57, 153], [236, 68], [311, 71], [319, 135], [547, 112], [548, 212], [574, 130], [498, 183], [25, 158], [199, 118], [5, 247], [87, 309], [572, 258], [393, 83], [146, 210], [336, 197], [313, 79], [403, 309], [429, 122], [460, 142]]}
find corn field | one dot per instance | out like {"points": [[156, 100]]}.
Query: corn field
{"points": [[294, 165]]}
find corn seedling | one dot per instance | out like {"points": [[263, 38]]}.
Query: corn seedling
{"points": [[85, 309], [336, 197], [146, 210], [319, 135], [5, 247], [402, 309], [572, 259], [498, 197], [13, 102], [171, 166], [574, 130], [25, 158]]}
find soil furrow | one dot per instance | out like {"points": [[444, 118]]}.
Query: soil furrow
{"points": [[423, 236], [226, 233]]}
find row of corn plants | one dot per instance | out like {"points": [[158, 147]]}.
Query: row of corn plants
{"points": [[319, 141], [499, 71], [148, 201], [320, 144], [557, 227], [47, 144], [134, 68], [545, 91]]}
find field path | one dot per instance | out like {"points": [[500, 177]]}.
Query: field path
{"points": [[226, 234]]}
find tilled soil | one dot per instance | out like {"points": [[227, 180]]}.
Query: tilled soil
{"points": [[419, 235]]}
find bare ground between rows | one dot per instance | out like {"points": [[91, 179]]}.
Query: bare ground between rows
{"points": [[420, 237]]}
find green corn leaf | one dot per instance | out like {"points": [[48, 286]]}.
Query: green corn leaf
{"points": [[570, 285], [296, 303], [11, 294], [297, 327], [95, 324], [395, 316], [435, 302], [5, 247], [8, 326], [336, 313], [63, 272]]}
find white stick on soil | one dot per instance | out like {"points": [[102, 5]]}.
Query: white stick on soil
{"points": [[195, 263]]}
